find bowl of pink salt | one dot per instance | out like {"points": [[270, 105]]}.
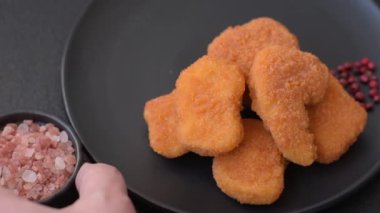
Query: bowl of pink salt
{"points": [[39, 157]]}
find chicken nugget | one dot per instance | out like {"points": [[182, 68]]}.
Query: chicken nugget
{"points": [[209, 96], [282, 82], [336, 122], [253, 173], [161, 116], [241, 43]]}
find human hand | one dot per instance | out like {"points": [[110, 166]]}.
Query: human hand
{"points": [[101, 189]]}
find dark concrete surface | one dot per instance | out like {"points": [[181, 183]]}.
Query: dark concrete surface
{"points": [[32, 39]]}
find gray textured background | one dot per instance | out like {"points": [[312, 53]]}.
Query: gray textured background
{"points": [[32, 39]]}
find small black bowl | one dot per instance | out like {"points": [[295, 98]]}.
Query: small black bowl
{"points": [[62, 196]]}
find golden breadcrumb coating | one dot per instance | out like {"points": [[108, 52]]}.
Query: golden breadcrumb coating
{"points": [[282, 82], [336, 122], [209, 96], [241, 43], [161, 116], [253, 173]]}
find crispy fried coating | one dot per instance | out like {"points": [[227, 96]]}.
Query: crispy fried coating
{"points": [[282, 81], [240, 44], [161, 116], [253, 173], [336, 122], [209, 96]]}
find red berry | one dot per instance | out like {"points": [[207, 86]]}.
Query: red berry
{"points": [[343, 81], [347, 65], [364, 61], [364, 78], [373, 77], [363, 70], [341, 68], [371, 66], [351, 79], [344, 75], [359, 96], [357, 64], [354, 87], [368, 106], [373, 84], [373, 92], [376, 98], [355, 70]]}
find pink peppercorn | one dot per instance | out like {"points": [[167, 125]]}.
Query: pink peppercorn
{"points": [[341, 68], [371, 66], [373, 92], [343, 81], [344, 75], [376, 98], [368, 106], [357, 64], [373, 84], [351, 79], [364, 61], [354, 87], [356, 77], [363, 69], [364, 78], [359, 96], [373, 77], [347, 65]]}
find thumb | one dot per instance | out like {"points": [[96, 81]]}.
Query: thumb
{"points": [[101, 188]]}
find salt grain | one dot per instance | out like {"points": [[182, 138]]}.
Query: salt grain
{"points": [[42, 128], [8, 130], [28, 122], [29, 152], [63, 137], [38, 156], [29, 176], [51, 187], [27, 186], [6, 173], [55, 138], [23, 128], [32, 140], [59, 163]]}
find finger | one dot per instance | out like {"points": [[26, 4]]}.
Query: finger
{"points": [[101, 188], [11, 203]]}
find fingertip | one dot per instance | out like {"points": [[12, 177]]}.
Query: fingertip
{"points": [[82, 171], [99, 177], [102, 187]]}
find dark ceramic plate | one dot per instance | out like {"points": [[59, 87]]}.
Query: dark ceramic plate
{"points": [[124, 53]]}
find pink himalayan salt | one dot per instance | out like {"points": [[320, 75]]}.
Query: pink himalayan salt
{"points": [[29, 176], [59, 163], [63, 137], [29, 152], [35, 160]]}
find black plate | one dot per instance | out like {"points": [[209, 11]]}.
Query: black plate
{"points": [[126, 52]]}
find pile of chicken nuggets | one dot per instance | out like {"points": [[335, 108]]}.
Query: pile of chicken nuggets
{"points": [[306, 115]]}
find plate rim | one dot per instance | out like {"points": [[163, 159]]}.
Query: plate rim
{"points": [[324, 204]]}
